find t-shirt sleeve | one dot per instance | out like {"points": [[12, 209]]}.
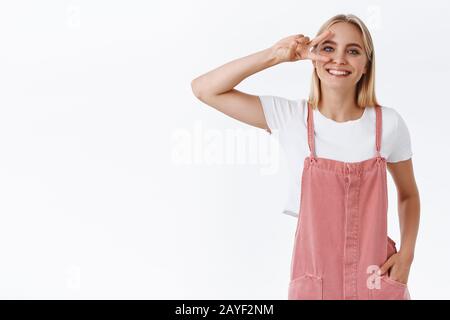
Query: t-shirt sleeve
{"points": [[278, 111], [402, 148]]}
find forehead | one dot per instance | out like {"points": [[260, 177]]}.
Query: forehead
{"points": [[344, 33]]}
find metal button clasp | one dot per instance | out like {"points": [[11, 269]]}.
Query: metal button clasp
{"points": [[347, 171], [347, 168]]}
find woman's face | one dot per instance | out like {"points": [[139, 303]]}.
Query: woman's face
{"points": [[345, 49]]}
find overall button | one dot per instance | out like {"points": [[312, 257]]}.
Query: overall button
{"points": [[347, 167]]}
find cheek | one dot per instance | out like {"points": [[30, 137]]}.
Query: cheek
{"points": [[320, 66], [359, 65]]}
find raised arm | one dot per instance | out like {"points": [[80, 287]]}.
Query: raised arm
{"points": [[216, 87]]}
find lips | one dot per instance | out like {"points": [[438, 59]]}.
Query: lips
{"points": [[338, 72]]}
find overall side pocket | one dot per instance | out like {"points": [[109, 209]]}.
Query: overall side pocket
{"points": [[306, 287], [390, 290]]}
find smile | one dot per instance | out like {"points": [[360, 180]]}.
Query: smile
{"points": [[339, 74]]}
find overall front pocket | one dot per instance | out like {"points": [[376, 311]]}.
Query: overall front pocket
{"points": [[305, 287], [390, 290]]}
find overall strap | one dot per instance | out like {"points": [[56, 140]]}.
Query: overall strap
{"points": [[378, 130], [311, 131]]}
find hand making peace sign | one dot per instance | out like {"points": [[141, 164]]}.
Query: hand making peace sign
{"points": [[298, 47]]}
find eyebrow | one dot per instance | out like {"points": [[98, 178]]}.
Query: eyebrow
{"points": [[348, 45]]}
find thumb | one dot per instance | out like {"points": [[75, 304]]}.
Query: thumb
{"points": [[386, 266]]}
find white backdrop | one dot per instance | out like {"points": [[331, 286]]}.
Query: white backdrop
{"points": [[116, 182]]}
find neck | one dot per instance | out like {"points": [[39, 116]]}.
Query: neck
{"points": [[339, 105]]}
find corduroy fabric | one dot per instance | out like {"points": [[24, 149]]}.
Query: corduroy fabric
{"points": [[341, 238]]}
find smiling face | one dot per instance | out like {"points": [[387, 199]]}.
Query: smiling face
{"points": [[348, 60]]}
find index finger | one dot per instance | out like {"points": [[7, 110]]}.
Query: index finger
{"points": [[327, 33]]}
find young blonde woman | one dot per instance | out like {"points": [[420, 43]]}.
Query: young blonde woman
{"points": [[340, 143]]}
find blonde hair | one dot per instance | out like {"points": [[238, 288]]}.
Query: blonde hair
{"points": [[365, 88]]}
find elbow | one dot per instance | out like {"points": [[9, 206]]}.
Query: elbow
{"points": [[409, 197], [196, 89]]}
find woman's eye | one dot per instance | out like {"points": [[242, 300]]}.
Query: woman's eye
{"points": [[354, 51]]}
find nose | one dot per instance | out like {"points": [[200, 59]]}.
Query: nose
{"points": [[339, 57]]}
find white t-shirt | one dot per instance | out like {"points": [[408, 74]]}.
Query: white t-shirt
{"points": [[349, 141]]}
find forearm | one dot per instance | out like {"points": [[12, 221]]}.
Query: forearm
{"points": [[229, 75], [409, 217]]}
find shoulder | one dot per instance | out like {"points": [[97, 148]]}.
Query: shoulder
{"points": [[392, 124], [396, 137], [389, 113], [303, 109], [282, 103], [391, 118], [279, 111]]}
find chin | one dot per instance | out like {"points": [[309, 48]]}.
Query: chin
{"points": [[337, 84]]}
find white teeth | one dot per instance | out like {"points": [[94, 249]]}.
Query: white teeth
{"points": [[338, 73]]}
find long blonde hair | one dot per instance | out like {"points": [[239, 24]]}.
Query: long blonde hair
{"points": [[365, 88]]}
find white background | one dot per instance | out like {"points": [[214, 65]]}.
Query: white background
{"points": [[94, 97]]}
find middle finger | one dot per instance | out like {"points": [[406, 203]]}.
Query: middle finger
{"points": [[322, 36]]}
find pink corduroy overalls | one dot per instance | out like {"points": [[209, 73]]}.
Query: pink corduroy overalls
{"points": [[341, 238]]}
